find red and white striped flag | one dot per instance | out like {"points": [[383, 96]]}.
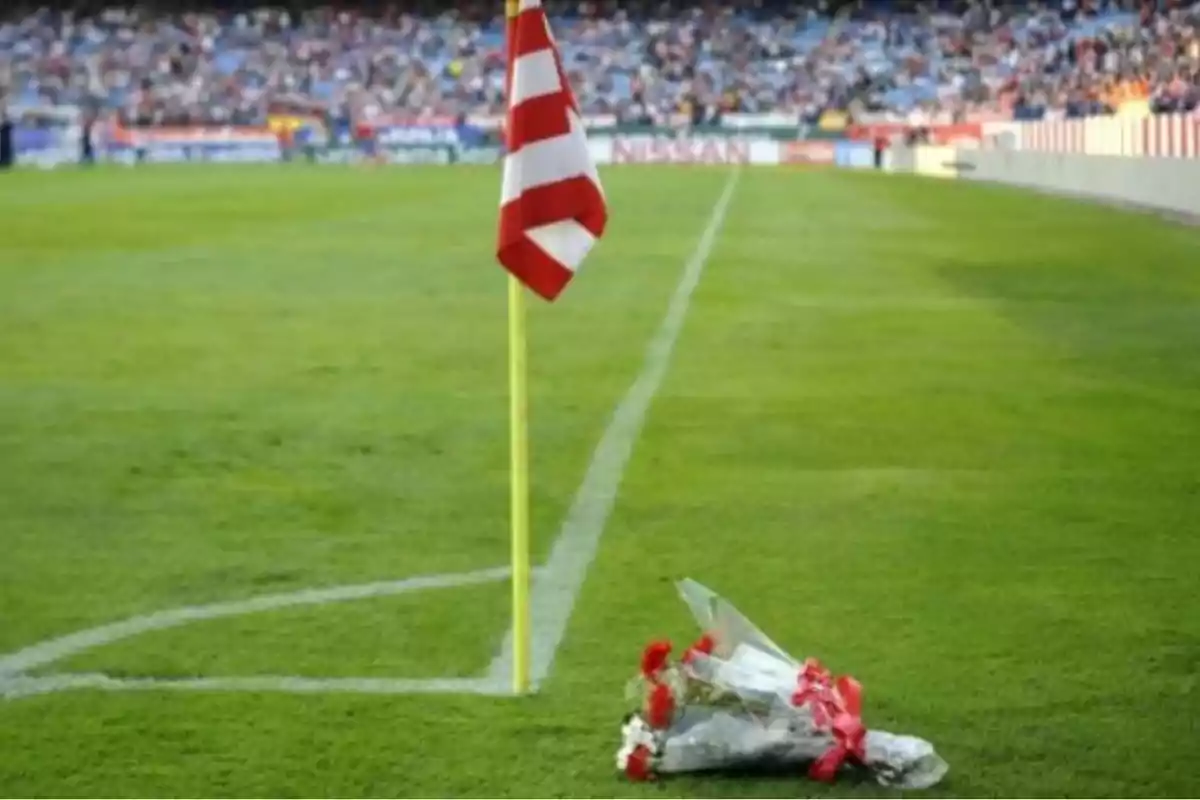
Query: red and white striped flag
{"points": [[552, 209]]}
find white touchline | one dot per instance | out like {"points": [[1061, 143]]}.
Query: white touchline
{"points": [[556, 588]]}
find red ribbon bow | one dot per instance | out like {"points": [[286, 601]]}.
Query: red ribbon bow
{"points": [[849, 733], [836, 706]]}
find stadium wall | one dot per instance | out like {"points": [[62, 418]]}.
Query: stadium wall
{"points": [[1150, 162], [1160, 135], [1162, 183]]}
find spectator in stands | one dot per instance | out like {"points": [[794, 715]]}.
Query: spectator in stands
{"points": [[6, 137], [635, 61]]}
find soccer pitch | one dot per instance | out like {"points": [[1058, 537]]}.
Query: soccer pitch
{"points": [[942, 436]]}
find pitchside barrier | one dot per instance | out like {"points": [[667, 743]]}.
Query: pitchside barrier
{"points": [[754, 139], [1152, 162], [1155, 182], [51, 138], [606, 148]]}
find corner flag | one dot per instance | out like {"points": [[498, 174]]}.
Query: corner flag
{"points": [[552, 211], [552, 208]]}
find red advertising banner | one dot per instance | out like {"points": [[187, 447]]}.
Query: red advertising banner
{"points": [[945, 135], [194, 134], [818, 152]]}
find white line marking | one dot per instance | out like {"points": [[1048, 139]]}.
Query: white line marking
{"points": [[26, 686], [13, 681], [558, 585]]}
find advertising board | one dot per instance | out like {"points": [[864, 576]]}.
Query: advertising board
{"points": [[45, 147], [46, 136], [810, 152], [854, 155], [954, 135], [679, 150], [191, 144]]}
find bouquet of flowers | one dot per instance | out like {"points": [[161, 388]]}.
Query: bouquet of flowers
{"points": [[736, 700]]}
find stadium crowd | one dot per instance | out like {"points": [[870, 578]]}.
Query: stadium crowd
{"points": [[637, 60]]}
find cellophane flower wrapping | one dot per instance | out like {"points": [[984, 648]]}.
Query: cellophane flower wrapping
{"points": [[736, 700]]}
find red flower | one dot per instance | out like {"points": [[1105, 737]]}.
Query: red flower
{"points": [[654, 658], [660, 707], [702, 646], [637, 767]]}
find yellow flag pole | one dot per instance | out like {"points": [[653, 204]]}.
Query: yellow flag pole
{"points": [[519, 438], [519, 443]]}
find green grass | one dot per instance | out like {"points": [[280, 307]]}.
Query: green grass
{"points": [[943, 436]]}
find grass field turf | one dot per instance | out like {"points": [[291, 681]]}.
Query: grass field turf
{"points": [[943, 436]]}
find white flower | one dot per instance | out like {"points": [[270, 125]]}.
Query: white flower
{"points": [[635, 733]]}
